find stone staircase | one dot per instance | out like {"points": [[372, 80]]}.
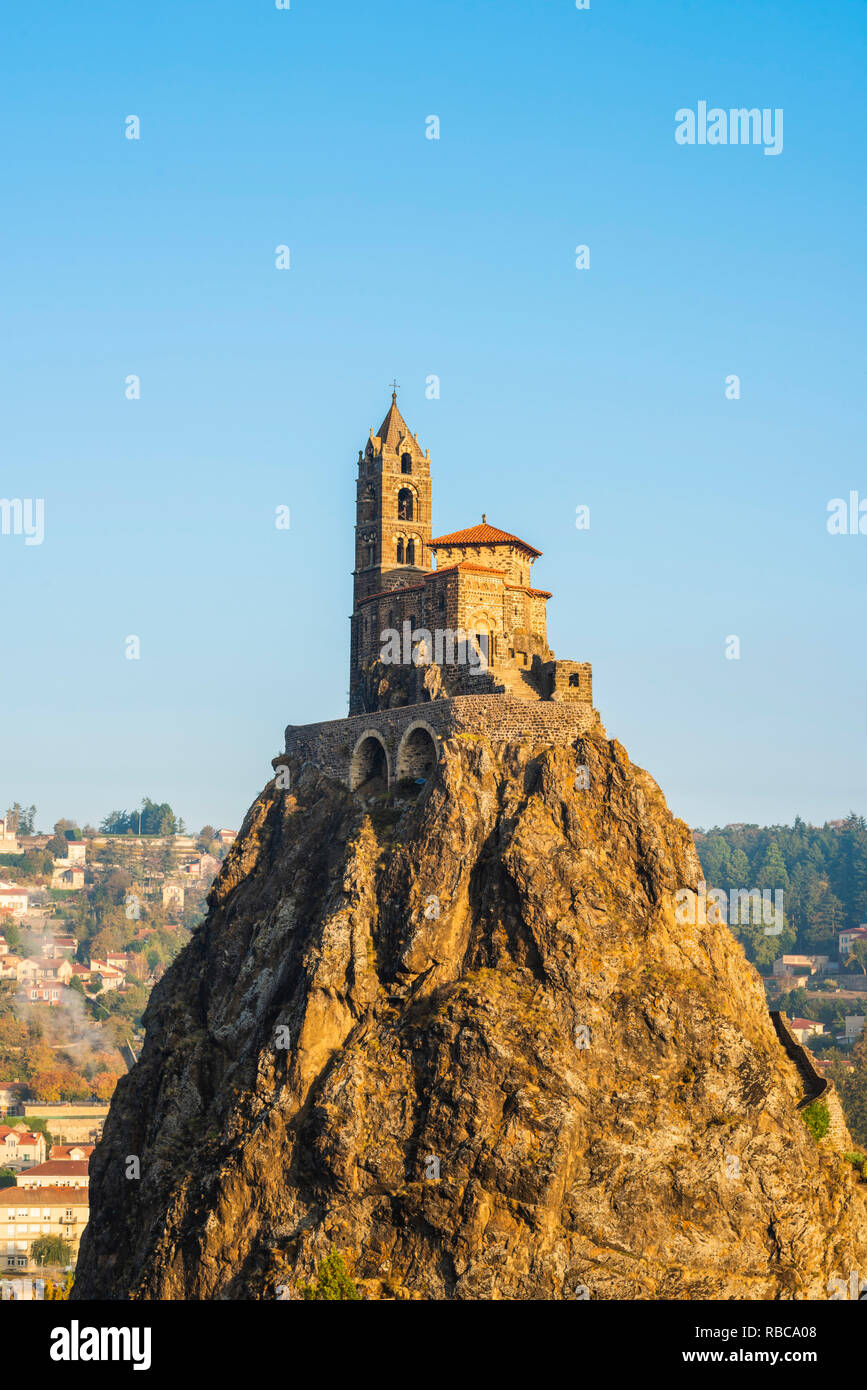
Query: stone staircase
{"points": [[517, 683]]}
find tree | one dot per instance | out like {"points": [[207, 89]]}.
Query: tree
{"points": [[858, 953], [104, 1084], [20, 818], [57, 846], [332, 1283], [51, 1250], [773, 873], [206, 837]]}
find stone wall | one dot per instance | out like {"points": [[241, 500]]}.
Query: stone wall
{"points": [[817, 1087], [331, 745]]}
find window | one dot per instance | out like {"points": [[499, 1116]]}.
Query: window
{"points": [[400, 552], [406, 463], [442, 603], [404, 504], [410, 552], [574, 678]]}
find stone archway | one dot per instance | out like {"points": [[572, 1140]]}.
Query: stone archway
{"points": [[418, 752], [369, 759]]}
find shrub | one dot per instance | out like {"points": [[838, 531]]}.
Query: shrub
{"points": [[817, 1119], [332, 1282]]}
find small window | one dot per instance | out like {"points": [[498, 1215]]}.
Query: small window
{"points": [[410, 553], [574, 678], [406, 463], [400, 552]]}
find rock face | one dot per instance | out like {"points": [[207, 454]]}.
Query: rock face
{"points": [[437, 967]]}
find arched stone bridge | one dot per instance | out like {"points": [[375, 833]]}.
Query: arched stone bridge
{"points": [[405, 742]]}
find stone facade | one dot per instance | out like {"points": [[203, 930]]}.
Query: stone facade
{"points": [[468, 649], [478, 601], [344, 748]]}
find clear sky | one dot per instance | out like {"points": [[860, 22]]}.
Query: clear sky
{"points": [[456, 257]]}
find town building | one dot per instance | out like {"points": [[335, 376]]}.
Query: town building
{"points": [[73, 1151], [70, 1121], [11, 1092], [804, 1028], [14, 901], [111, 978], [58, 1172], [803, 965], [8, 838], [54, 946], [21, 1148], [847, 939], [173, 895], [26, 1214]]}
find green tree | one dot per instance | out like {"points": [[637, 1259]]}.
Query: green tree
{"points": [[773, 872], [858, 953], [51, 1250], [332, 1283]]}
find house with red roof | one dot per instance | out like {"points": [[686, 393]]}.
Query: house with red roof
{"points": [[57, 1172], [804, 1028], [21, 1148], [13, 900], [71, 1151]]}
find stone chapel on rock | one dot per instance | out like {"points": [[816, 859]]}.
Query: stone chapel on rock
{"points": [[470, 632]]}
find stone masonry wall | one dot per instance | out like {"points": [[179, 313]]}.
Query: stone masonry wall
{"points": [[330, 745], [818, 1087]]}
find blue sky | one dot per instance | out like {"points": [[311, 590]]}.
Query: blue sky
{"points": [[455, 257]]}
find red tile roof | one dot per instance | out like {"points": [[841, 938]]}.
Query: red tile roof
{"points": [[534, 593], [58, 1168], [470, 566], [483, 534], [44, 1196]]}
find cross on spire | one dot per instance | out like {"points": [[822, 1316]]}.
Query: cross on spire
{"points": [[395, 387]]}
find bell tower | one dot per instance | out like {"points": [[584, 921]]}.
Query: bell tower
{"points": [[392, 521], [392, 509]]}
